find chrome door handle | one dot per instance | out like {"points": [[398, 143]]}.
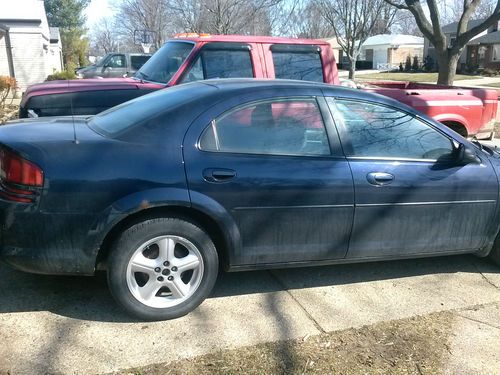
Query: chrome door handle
{"points": [[218, 174], [379, 178]]}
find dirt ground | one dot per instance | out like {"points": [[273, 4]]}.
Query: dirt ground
{"points": [[417, 345]]}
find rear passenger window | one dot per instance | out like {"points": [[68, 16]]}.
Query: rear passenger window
{"points": [[221, 60], [297, 62], [277, 127]]}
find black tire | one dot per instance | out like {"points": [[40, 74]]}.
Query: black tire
{"points": [[132, 239], [494, 255]]}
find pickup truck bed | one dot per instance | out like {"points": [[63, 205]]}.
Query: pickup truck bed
{"points": [[468, 111]]}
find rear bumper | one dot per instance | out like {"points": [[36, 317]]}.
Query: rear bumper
{"points": [[47, 243]]}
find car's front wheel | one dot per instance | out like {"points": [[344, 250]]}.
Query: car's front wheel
{"points": [[162, 268]]}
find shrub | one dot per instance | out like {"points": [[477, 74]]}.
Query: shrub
{"points": [[66, 74], [489, 72], [401, 68], [7, 84], [415, 65], [408, 63], [428, 63]]}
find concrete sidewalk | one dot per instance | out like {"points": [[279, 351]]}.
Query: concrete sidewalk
{"points": [[71, 324]]}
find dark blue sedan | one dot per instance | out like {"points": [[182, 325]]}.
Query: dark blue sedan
{"points": [[164, 190]]}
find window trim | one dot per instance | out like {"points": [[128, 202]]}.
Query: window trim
{"points": [[345, 140], [266, 100]]}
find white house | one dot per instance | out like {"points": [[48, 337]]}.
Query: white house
{"points": [[387, 51], [29, 52]]}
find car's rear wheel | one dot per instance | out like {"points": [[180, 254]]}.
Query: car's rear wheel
{"points": [[162, 268], [495, 251]]}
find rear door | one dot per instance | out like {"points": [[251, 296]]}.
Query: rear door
{"points": [[275, 165], [411, 198]]}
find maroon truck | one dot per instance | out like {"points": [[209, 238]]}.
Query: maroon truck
{"points": [[192, 57]]}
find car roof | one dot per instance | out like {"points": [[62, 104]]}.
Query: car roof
{"points": [[249, 39], [239, 86]]}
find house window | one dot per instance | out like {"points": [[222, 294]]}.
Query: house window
{"points": [[496, 52]]}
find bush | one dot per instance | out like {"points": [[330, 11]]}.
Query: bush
{"points": [[66, 74], [490, 72], [408, 63], [428, 64], [7, 84], [415, 65], [401, 68]]}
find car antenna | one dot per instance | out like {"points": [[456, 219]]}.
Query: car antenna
{"points": [[75, 140]]}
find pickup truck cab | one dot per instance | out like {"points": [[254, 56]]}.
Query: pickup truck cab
{"points": [[114, 65], [193, 57]]}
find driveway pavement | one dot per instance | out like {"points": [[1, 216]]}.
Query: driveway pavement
{"points": [[71, 324]]}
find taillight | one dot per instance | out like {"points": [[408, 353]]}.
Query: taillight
{"points": [[16, 170], [17, 175]]}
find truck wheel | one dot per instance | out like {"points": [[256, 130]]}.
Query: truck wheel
{"points": [[162, 268]]}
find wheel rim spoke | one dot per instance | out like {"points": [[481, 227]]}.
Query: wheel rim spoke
{"points": [[189, 262], [142, 264], [167, 246], [178, 288], [149, 290]]}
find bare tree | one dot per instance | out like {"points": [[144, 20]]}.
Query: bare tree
{"points": [[405, 24], [451, 10], [239, 16], [447, 51], [353, 22], [306, 21], [151, 15], [104, 38]]}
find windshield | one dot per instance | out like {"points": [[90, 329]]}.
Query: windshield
{"points": [[165, 62]]}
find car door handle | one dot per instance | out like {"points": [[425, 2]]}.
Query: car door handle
{"points": [[218, 175], [379, 178]]}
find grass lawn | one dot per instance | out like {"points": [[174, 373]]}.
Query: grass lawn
{"points": [[413, 77], [493, 84]]}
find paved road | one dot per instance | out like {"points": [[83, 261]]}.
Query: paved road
{"points": [[71, 324]]}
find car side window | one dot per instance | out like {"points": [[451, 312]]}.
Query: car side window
{"points": [[297, 62], [221, 63], [117, 61], [275, 127], [375, 130], [137, 61]]}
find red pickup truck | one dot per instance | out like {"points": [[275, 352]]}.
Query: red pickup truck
{"points": [[192, 57]]}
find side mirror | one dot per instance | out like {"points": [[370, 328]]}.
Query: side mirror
{"points": [[466, 155]]}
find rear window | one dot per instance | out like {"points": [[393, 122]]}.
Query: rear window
{"points": [[140, 111], [137, 61], [297, 62]]}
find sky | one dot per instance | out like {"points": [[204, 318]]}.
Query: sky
{"points": [[98, 9]]}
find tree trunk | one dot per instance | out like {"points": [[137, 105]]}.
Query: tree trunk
{"points": [[447, 62], [352, 69]]}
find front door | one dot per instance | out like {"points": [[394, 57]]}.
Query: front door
{"points": [[411, 198], [271, 164]]}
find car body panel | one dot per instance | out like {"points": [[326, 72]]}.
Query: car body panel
{"points": [[279, 211]]}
